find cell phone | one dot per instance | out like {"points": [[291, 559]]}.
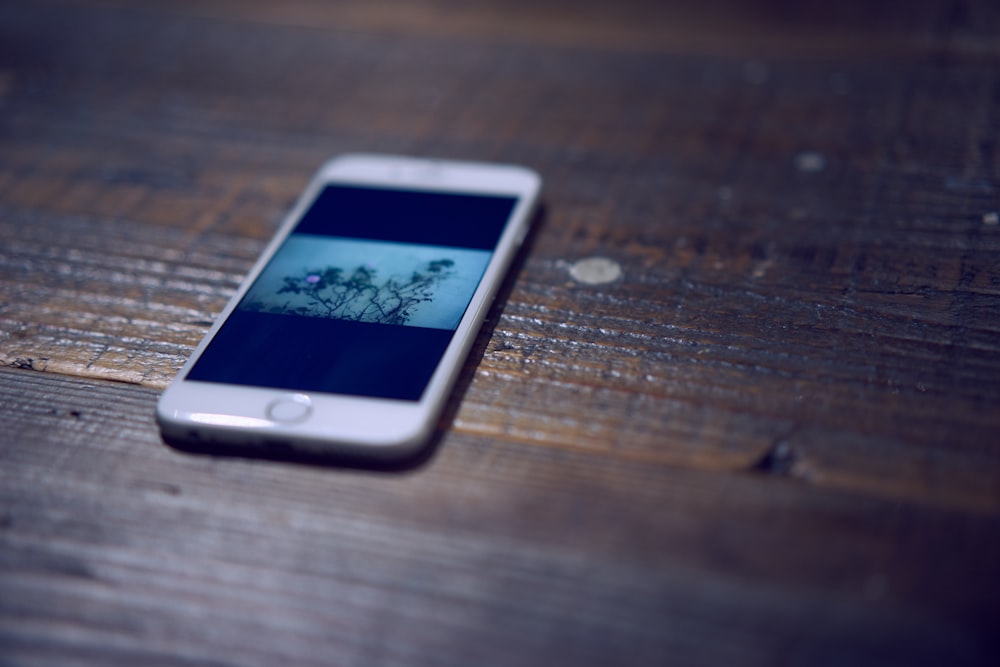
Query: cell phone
{"points": [[350, 331]]}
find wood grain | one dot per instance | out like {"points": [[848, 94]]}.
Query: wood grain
{"points": [[731, 27], [117, 548], [772, 439], [761, 305]]}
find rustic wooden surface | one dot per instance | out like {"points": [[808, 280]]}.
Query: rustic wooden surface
{"points": [[772, 440]]}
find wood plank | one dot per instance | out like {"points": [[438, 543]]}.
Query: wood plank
{"points": [[827, 298], [114, 548], [732, 27]]}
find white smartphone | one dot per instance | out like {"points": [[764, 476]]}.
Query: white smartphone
{"points": [[349, 333]]}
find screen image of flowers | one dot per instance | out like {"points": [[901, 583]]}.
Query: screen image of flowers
{"points": [[368, 281]]}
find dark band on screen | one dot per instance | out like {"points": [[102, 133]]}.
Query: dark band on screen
{"points": [[408, 216]]}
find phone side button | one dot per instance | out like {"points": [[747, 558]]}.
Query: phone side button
{"points": [[290, 409]]}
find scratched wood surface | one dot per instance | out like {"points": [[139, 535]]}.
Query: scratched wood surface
{"points": [[774, 438]]}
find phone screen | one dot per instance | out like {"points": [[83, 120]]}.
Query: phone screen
{"points": [[363, 297]]}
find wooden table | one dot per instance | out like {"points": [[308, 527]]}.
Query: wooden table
{"points": [[773, 439]]}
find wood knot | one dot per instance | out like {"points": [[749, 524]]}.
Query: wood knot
{"points": [[778, 460]]}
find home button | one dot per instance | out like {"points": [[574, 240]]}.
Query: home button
{"points": [[289, 409]]}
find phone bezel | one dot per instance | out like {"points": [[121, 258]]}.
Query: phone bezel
{"points": [[208, 412]]}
